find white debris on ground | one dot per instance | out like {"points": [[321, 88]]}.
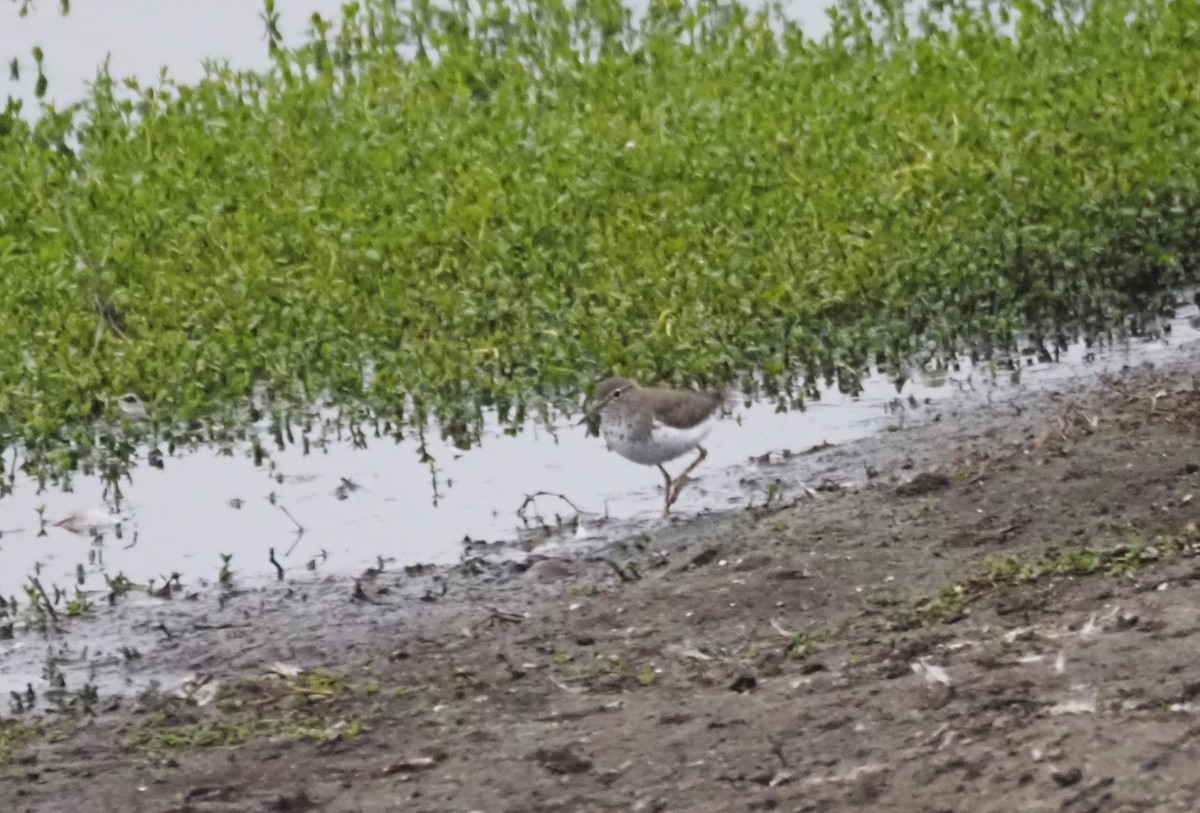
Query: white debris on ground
{"points": [[198, 688], [931, 672]]}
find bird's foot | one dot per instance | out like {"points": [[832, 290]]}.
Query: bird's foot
{"points": [[673, 493]]}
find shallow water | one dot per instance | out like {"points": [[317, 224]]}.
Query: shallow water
{"points": [[183, 517], [201, 504]]}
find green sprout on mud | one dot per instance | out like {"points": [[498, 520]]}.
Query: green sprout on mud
{"points": [[1120, 561], [159, 733], [319, 682], [40, 610], [947, 606], [297, 707], [80, 605], [16, 735], [225, 576], [118, 586], [802, 645]]}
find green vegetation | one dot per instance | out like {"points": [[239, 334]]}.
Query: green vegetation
{"points": [[425, 213], [804, 644], [15, 735], [951, 603], [160, 733], [309, 706]]}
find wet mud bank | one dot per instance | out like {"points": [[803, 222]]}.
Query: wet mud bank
{"points": [[995, 609]]}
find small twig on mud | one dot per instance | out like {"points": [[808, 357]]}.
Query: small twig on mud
{"points": [[409, 765], [1110, 383], [775, 625], [568, 689], [498, 615], [1154, 399], [278, 567], [779, 506]]}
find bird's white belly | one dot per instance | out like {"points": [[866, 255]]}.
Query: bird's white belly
{"points": [[665, 442]]}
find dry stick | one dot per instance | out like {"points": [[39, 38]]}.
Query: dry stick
{"points": [[46, 598], [299, 527], [531, 497], [278, 567], [299, 532], [496, 614]]}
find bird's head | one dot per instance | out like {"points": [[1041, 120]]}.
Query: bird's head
{"points": [[607, 391]]}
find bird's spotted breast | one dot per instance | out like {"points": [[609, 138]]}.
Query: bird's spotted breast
{"points": [[663, 443]]}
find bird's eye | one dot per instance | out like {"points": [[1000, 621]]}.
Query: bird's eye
{"points": [[616, 393]]}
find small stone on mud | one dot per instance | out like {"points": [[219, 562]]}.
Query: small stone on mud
{"points": [[289, 803], [935, 695], [561, 760], [927, 482], [1191, 691], [1066, 778], [743, 684], [865, 789], [750, 563], [550, 570], [417, 763]]}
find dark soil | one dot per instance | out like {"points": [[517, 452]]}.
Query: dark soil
{"points": [[1007, 618]]}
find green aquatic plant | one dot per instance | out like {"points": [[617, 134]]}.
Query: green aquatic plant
{"points": [[424, 213]]}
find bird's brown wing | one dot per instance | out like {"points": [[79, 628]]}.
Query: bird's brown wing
{"points": [[686, 411]]}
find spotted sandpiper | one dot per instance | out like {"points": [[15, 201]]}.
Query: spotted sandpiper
{"points": [[651, 425]]}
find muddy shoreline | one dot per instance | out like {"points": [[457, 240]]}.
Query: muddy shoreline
{"points": [[993, 609]]}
